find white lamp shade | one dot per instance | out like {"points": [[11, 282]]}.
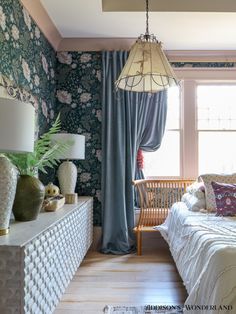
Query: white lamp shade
{"points": [[147, 69], [77, 148], [17, 123]]}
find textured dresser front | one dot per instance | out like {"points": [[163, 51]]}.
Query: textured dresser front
{"points": [[49, 262]]}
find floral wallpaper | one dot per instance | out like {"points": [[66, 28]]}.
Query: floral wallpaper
{"points": [[29, 66], [68, 83], [27, 59], [79, 103]]}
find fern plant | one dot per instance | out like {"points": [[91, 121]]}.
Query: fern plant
{"points": [[44, 155]]}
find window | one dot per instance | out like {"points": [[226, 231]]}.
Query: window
{"points": [[166, 160], [216, 122], [200, 132]]}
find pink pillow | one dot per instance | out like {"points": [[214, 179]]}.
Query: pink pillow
{"points": [[225, 198]]}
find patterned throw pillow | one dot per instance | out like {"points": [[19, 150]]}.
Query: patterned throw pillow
{"points": [[210, 195], [225, 196]]}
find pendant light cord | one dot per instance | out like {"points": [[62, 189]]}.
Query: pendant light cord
{"points": [[147, 26]]}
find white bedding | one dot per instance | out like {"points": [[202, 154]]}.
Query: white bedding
{"points": [[204, 249]]}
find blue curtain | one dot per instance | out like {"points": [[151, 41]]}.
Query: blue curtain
{"points": [[130, 120]]}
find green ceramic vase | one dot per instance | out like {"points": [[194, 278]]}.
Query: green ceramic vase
{"points": [[29, 198]]}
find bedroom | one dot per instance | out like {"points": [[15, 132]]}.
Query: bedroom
{"points": [[69, 81]]}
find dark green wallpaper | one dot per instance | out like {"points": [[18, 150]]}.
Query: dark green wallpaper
{"points": [[27, 59], [79, 103], [30, 63]]}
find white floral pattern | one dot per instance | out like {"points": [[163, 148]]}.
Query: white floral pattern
{"points": [[45, 64], [26, 70], [52, 73], [99, 75], [27, 18], [85, 97], [85, 177], [99, 154], [99, 115], [36, 80], [2, 19], [99, 195], [64, 57], [44, 109], [85, 57], [15, 32], [64, 97], [37, 32]]}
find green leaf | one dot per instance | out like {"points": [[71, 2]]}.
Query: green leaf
{"points": [[44, 154]]}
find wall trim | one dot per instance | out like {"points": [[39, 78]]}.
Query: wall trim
{"points": [[202, 55], [95, 44], [206, 74], [48, 28]]}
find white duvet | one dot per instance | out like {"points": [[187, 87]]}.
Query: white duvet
{"points": [[204, 249]]}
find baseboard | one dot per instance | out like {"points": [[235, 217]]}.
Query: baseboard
{"points": [[97, 239]]}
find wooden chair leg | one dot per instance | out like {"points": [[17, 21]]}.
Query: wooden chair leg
{"points": [[139, 242]]}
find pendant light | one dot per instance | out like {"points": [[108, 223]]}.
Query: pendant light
{"points": [[147, 68]]}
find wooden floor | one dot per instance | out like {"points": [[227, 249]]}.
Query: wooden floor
{"points": [[124, 280]]}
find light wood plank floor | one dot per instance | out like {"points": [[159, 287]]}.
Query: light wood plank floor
{"points": [[124, 280]]}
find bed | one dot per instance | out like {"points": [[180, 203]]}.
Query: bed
{"points": [[204, 249]]}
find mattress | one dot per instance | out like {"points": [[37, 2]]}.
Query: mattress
{"points": [[204, 249]]}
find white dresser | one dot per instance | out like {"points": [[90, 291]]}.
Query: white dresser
{"points": [[39, 258]]}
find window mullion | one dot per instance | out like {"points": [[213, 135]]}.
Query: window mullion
{"points": [[189, 142]]}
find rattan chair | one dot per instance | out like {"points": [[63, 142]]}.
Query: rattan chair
{"points": [[155, 198]]}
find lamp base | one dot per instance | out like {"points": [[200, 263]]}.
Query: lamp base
{"points": [[67, 176], [4, 231], [71, 198], [8, 180]]}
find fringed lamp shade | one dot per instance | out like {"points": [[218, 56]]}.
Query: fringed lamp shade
{"points": [[147, 69]]}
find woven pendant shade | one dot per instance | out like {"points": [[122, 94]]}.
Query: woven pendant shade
{"points": [[147, 69]]}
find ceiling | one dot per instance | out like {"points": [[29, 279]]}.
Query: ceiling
{"points": [[189, 30]]}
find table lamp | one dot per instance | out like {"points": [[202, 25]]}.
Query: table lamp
{"points": [[67, 171], [16, 135]]}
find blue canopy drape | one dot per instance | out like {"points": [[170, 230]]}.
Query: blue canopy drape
{"points": [[130, 121]]}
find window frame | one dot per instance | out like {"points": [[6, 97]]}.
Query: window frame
{"points": [[190, 78]]}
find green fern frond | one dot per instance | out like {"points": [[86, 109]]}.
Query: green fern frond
{"points": [[44, 155]]}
